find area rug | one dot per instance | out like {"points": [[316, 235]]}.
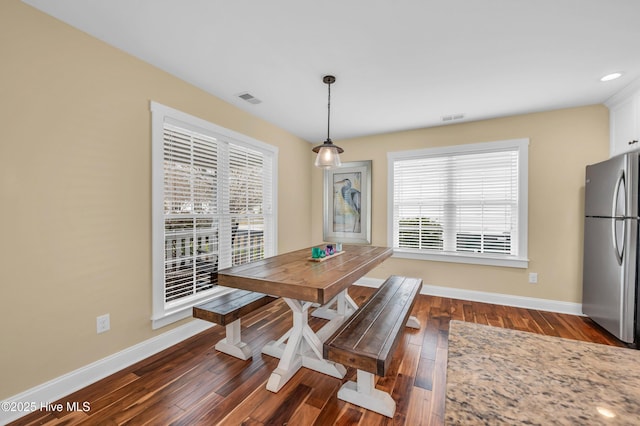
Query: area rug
{"points": [[497, 376]]}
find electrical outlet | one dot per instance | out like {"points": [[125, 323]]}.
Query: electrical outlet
{"points": [[103, 323], [533, 277]]}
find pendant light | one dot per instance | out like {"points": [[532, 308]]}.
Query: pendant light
{"points": [[328, 153]]}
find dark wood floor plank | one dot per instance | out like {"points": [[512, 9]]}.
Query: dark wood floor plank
{"points": [[322, 389], [330, 411], [554, 320], [595, 333], [349, 417], [284, 411], [255, 383], [193, 384], [404, 383], [210, 403], [305, 415], [439, 382], [419, 410], [424, 373], [542, 322], [430, 340], [115, 403]]}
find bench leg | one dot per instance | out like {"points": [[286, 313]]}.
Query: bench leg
{"points": [[413, 322], [363, 393], [232, 345]]}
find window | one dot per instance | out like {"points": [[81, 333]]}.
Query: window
{"points": [[465, 203], [213, 207]]}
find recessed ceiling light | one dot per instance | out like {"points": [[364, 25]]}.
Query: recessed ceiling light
{"points": [[611, 76]]}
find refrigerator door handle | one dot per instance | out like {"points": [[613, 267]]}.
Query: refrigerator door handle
{"points": [[618, 212], [618, 237], [619, 205]]}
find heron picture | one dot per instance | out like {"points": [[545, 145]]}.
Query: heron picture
{"points": [[347, 203]]}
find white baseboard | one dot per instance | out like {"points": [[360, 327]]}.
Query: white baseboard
{"points": [[486, 297], [68, 383]]}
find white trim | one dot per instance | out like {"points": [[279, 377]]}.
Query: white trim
{"points": [[68, 383], [163, 321], [486, 297], [157, 215], [506, 261]]}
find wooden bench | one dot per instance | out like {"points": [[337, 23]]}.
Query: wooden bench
{"points": [[226, 310], [367, 340]]}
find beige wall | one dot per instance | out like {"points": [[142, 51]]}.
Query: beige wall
{"points": [[562, 143], [75, 194]]}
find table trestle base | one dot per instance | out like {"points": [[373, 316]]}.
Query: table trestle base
{"points": [[344, 305], [301, 347]]}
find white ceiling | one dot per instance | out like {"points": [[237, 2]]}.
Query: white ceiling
{"points": [[399, 64]]}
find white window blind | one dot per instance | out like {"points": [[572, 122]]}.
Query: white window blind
{"points": [[191, 222], [462, 202], [249, 203], [214, 190]]}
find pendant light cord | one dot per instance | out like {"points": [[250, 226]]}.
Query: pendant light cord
{"points": [[329, 113]]}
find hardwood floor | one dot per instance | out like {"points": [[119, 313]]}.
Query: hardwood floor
{"points": [[193, 384]]}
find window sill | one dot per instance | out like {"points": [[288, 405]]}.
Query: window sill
{"points": [[490, 260]]}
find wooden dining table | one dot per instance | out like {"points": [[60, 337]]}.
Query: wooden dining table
{"points": [[304, 283]]}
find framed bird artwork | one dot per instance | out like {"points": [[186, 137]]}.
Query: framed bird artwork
{"points": [[347, 203]]}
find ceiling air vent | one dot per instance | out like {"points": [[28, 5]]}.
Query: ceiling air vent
{"points": [[453, 117], [249, 98]]}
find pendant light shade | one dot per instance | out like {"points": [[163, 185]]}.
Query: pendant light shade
{"points": [[328, 153]]}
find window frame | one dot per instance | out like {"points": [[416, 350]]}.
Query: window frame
{"points": [[516, 261], [161, 114]]}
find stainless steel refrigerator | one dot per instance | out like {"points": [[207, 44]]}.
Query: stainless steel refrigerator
{"points": [[610, 268]]}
